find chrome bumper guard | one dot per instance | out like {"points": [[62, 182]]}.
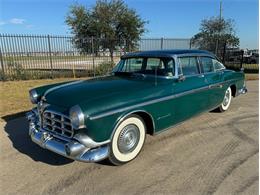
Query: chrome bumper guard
{"points": [[66, 147], [242, 90]]}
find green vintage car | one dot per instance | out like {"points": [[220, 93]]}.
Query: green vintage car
{"points": [[146, 93]]}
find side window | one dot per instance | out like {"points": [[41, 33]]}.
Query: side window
{"points": [[189, 65], [153, 63], [169, 65], [163, 66], [133, 65], [218, 65], [207, 64]]}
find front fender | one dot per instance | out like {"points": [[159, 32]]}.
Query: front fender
{"points": [[102, 129]]}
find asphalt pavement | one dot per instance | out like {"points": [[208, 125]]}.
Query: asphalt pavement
{"points": [[211, 153]]}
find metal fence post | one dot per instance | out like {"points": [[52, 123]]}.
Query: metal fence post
{"points": [[161, 43], [49, 45], [242, 59], [224, 53], [93, 55], [2, 64]]}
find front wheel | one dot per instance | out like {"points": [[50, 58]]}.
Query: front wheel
{"points": [[128, 140], [226, 101]]}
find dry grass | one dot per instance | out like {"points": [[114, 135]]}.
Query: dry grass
{"points": [[252, 76], [15, 97]]}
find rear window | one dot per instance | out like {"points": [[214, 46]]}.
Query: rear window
{"points": [[218, 65], [207, 64]]}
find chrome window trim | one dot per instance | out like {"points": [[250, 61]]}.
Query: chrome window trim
{"points": [[215, 70], [192, 56], [220, 68], [160, 76], [175, 57], [198, 55]]}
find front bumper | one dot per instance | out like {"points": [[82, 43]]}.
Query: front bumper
{"points": [[69, 148]]}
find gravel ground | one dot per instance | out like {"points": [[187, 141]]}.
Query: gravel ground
{"points": [[212, 153]]}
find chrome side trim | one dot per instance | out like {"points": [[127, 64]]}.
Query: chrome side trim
{"points": [[147, 103], [179, 123], [220, 84], [60, 86]]}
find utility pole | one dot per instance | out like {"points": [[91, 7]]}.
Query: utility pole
{"points": [[220, 18], [220, 9]]}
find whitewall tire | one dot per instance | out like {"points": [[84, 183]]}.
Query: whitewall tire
{"points": [[226, 101], [128, 140]]}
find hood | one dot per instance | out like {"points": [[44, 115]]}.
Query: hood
{"points": [[99, 89]]}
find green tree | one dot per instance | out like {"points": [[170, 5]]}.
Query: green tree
{"points": [[110, 22], [216, 34]]}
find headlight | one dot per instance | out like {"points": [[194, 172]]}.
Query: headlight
{"points": [[34, 96], [77, 117]]}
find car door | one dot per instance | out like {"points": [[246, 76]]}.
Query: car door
{"points": [[214, 77], [191, 92]]}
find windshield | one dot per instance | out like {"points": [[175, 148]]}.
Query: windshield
{"points": [[150, 66]]}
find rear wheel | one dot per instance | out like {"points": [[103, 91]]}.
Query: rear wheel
{"points": [[128, 140], [226, 101]]}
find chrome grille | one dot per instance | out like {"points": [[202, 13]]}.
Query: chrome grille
{"points": [[57, 123]]}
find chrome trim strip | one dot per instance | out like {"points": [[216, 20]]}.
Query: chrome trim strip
{"points": [[97, 116], [60, 86], [147, 103], [179, 123], [215, 86]]}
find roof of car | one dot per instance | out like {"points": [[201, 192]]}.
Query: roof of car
{"points": [[167, 53]]}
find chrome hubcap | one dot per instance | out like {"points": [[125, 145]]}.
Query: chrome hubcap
{"points": [[226, 98], [128, 138]]}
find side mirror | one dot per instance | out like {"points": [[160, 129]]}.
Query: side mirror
{"points": [[181, 78]]}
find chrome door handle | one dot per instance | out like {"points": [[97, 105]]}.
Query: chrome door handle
{"points": [[201, 76]]}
